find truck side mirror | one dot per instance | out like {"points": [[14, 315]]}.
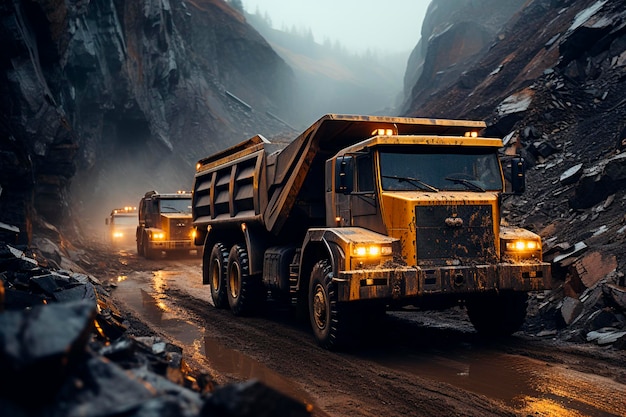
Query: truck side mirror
{"points": [[344, 177], [106, 221], [518, 175]]}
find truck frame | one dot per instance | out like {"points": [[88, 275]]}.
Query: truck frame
{"points": [[164, 224], [361, 214]]}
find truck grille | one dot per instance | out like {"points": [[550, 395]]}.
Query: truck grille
{"points": [[454, 233], [180, 229]]}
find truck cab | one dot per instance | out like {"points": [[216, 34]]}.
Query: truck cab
{"points": [[165, 224]]}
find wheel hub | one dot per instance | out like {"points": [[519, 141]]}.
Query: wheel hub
{"points": [[234, 277], [215, 274], [319, 307]]}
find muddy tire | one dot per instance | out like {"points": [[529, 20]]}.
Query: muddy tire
{"points": [[214, 270], [140, 248], [330, 321], [243, 289], [148, 251], [498, 315]]}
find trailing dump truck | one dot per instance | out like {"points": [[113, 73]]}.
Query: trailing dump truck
{"points": [[360, 214], [122, 223], [165, 224]]}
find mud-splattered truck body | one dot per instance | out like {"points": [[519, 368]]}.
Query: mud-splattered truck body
{"points": [[165, 224], [360, 214]]}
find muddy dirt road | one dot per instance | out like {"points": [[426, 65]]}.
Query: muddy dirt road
{"points": [[412, 364]]}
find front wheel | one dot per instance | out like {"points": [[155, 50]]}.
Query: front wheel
{"points": [[215, 269], [498, 315], [329, 320], [150, 252], [140, 247]]}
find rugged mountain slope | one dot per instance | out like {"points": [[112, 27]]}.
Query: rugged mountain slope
{"points": [[455, 34], [552, 84], [104, 100]]}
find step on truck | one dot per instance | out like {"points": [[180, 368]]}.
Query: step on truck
{"points": [[361, 214], [165, 225]]}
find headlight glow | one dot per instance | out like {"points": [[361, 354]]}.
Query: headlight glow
{"points": [[383, 132], [118, 235], [158, 236], [371, 250], [522, 245]]}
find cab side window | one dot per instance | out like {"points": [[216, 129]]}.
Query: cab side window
{"points": [[364, 174]]}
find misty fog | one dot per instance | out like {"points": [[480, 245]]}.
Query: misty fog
{"points": [[328, 79], [333, 79]]}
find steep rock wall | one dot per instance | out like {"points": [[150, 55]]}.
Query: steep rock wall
{"points": [[105, 99]]}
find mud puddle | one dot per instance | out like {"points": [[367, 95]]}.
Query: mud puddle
{"points": [[145, 296], [530, 386]]}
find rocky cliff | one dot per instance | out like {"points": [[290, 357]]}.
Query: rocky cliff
{"points": [[550, 80], [455, 34], [104, 100]]}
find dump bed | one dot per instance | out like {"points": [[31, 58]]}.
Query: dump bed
{"points": [[260, 182]]}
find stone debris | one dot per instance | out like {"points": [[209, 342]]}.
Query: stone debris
{"points": [[64, 352], [252, 399], [605, 335], [571, 175], [571, 309]]}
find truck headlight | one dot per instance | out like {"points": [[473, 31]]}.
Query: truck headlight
{"points": [[522, 245], [371, 251], [158, 236], [118, 235]]}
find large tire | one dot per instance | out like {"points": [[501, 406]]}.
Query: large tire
{"points": [[214, 269], [498, 315], [140, 247], [330, 321], [151, 253], [243, 289]]}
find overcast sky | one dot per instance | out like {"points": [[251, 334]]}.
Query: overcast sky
{"points": [[378, 25]]}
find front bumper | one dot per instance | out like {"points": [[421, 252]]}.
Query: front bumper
{"points": [[407, 282], [168, 245]]}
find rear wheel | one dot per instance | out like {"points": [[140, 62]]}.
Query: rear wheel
{"points": [[215, 269], [243, 289], [497, 315], [330, 320]]}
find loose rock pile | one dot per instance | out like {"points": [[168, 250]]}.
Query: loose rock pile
{"points": [[64, 351]]}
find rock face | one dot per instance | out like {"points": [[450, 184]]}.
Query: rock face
{"points": [[108, 92], [550, 83], [455, 34]]}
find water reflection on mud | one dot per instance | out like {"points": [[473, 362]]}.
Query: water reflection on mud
{"points": [[530, 386]]}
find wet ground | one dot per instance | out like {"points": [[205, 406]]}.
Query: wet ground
{"points": [[413, 363]]}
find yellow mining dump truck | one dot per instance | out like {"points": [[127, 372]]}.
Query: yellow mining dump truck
{"points": [[122, 223], [360, 214], [165, 224]]}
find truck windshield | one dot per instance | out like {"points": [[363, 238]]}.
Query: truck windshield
{"points": [[125, 220], [176, 205], [441, 170]]}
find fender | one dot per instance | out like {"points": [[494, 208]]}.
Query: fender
{"points": [[337, 243]]}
